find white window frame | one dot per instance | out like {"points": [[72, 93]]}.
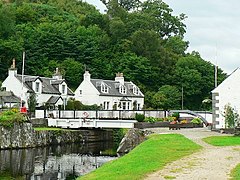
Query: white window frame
{"points": [[123, 89], [104, 88], [63, 89], [135, 90], [37, 87]]}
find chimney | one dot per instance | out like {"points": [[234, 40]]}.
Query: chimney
{"points": [[86, 76], [12, 71], [119, 77], [57, 75]]}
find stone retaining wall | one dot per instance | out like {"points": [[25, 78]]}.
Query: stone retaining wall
{"points": [[22, 135]]}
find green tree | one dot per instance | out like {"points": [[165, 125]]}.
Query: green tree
{"points": [[32, 102], [73, 72], [167, 97]]}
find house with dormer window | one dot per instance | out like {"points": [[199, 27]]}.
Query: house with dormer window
{"points": [[115, 94], [52, 92]]}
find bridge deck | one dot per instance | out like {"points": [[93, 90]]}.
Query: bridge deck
{"points": [[90, 123]]}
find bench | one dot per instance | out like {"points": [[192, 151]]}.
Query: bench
{"points": [[174, 126]]}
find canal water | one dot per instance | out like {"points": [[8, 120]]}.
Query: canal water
{"points": [[56, 162]]}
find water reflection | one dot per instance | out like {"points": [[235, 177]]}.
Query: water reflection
{"points": [[57, 162]]}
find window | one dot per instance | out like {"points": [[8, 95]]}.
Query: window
{"points": [[128, 105], [104, 88], [37, 87], [106, 105], [124, 105], [138, 106], [80, 92], [63, 89], [135, 90], [123, 89]]}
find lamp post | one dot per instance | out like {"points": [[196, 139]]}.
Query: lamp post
{"points": [[182, 97]]}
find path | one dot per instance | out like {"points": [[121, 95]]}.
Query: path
{"points": [[209, 164]]}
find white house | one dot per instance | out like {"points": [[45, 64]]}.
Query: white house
{"points": [[226, 93], [51, 91], [109, 94]]}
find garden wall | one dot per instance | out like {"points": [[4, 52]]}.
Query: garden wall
{"points": [[22, 135]]}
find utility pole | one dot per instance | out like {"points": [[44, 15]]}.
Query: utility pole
{"points": [[22, 78], [182, 97]]}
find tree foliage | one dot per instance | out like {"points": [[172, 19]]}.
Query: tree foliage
{"points": [[144, 40]]}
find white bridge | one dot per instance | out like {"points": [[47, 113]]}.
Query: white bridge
{"points": [[90, 123], [94, 119]]}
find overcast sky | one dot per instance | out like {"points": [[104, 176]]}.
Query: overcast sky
{"points": [[213, 29]]}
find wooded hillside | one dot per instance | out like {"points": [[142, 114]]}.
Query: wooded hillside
{"points": [[142, 40]]}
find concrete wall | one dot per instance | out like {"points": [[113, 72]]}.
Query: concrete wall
{"points": [[22, 135]]}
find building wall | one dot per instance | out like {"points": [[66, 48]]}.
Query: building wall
{"points": [[90, 94], [226, 93], [11, 83]]}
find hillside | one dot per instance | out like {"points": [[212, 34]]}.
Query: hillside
{"points": [[142, 40]]}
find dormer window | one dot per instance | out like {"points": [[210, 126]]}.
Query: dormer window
{"points": [[135, 90], [104, 88], [123, 89], [63, 89], [37, 87]]}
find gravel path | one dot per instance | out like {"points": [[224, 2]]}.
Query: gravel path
{"points": [[210, 163]]}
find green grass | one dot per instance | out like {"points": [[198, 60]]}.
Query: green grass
{"points": [[148, 157], [47, 129], [235, 173], [223, 140]]}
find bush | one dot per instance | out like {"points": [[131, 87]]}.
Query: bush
{"points": [[176, 115], [9, 117], [139, 117], [150, 119], [196, 121]]}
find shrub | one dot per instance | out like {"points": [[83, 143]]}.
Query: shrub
{"points": [[196, 121], [176, 115], [139, 117], [9, 117], [170, 118], [150, 119], [184, 121]]}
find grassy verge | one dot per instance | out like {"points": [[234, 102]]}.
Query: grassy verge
{"points": [[47, 129], [150, 156], [223, 140], [235, 174]]}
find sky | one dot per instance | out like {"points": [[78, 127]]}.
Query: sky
{"points": [[213, 29]]}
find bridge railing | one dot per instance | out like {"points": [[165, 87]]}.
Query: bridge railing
{"points": [[100, 114]]}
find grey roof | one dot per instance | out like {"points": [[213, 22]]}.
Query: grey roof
{"points": [[49, 85], [53, 99], [9, 97], [114, 88]]}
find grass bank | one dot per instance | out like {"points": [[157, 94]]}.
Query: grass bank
{"points": [[150, 156], [223, 140], [235, 173]]}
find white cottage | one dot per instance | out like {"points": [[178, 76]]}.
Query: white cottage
{"points": [[109, 94], [49, 91], [226, 93]]}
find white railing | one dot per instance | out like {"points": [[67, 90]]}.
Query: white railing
{"points": [[101, 114]]}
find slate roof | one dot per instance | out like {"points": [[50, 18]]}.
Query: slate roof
{"points": [[9, 97], [114, 88], [49, 85], [53, 99]]}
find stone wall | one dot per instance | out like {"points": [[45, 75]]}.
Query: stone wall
{"points": [[133, 138], [22, 135]]}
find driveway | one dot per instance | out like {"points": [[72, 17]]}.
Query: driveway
{"points": [[210, 163]]}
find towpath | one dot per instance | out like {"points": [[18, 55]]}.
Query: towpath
{"points": [[211, 163]]}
